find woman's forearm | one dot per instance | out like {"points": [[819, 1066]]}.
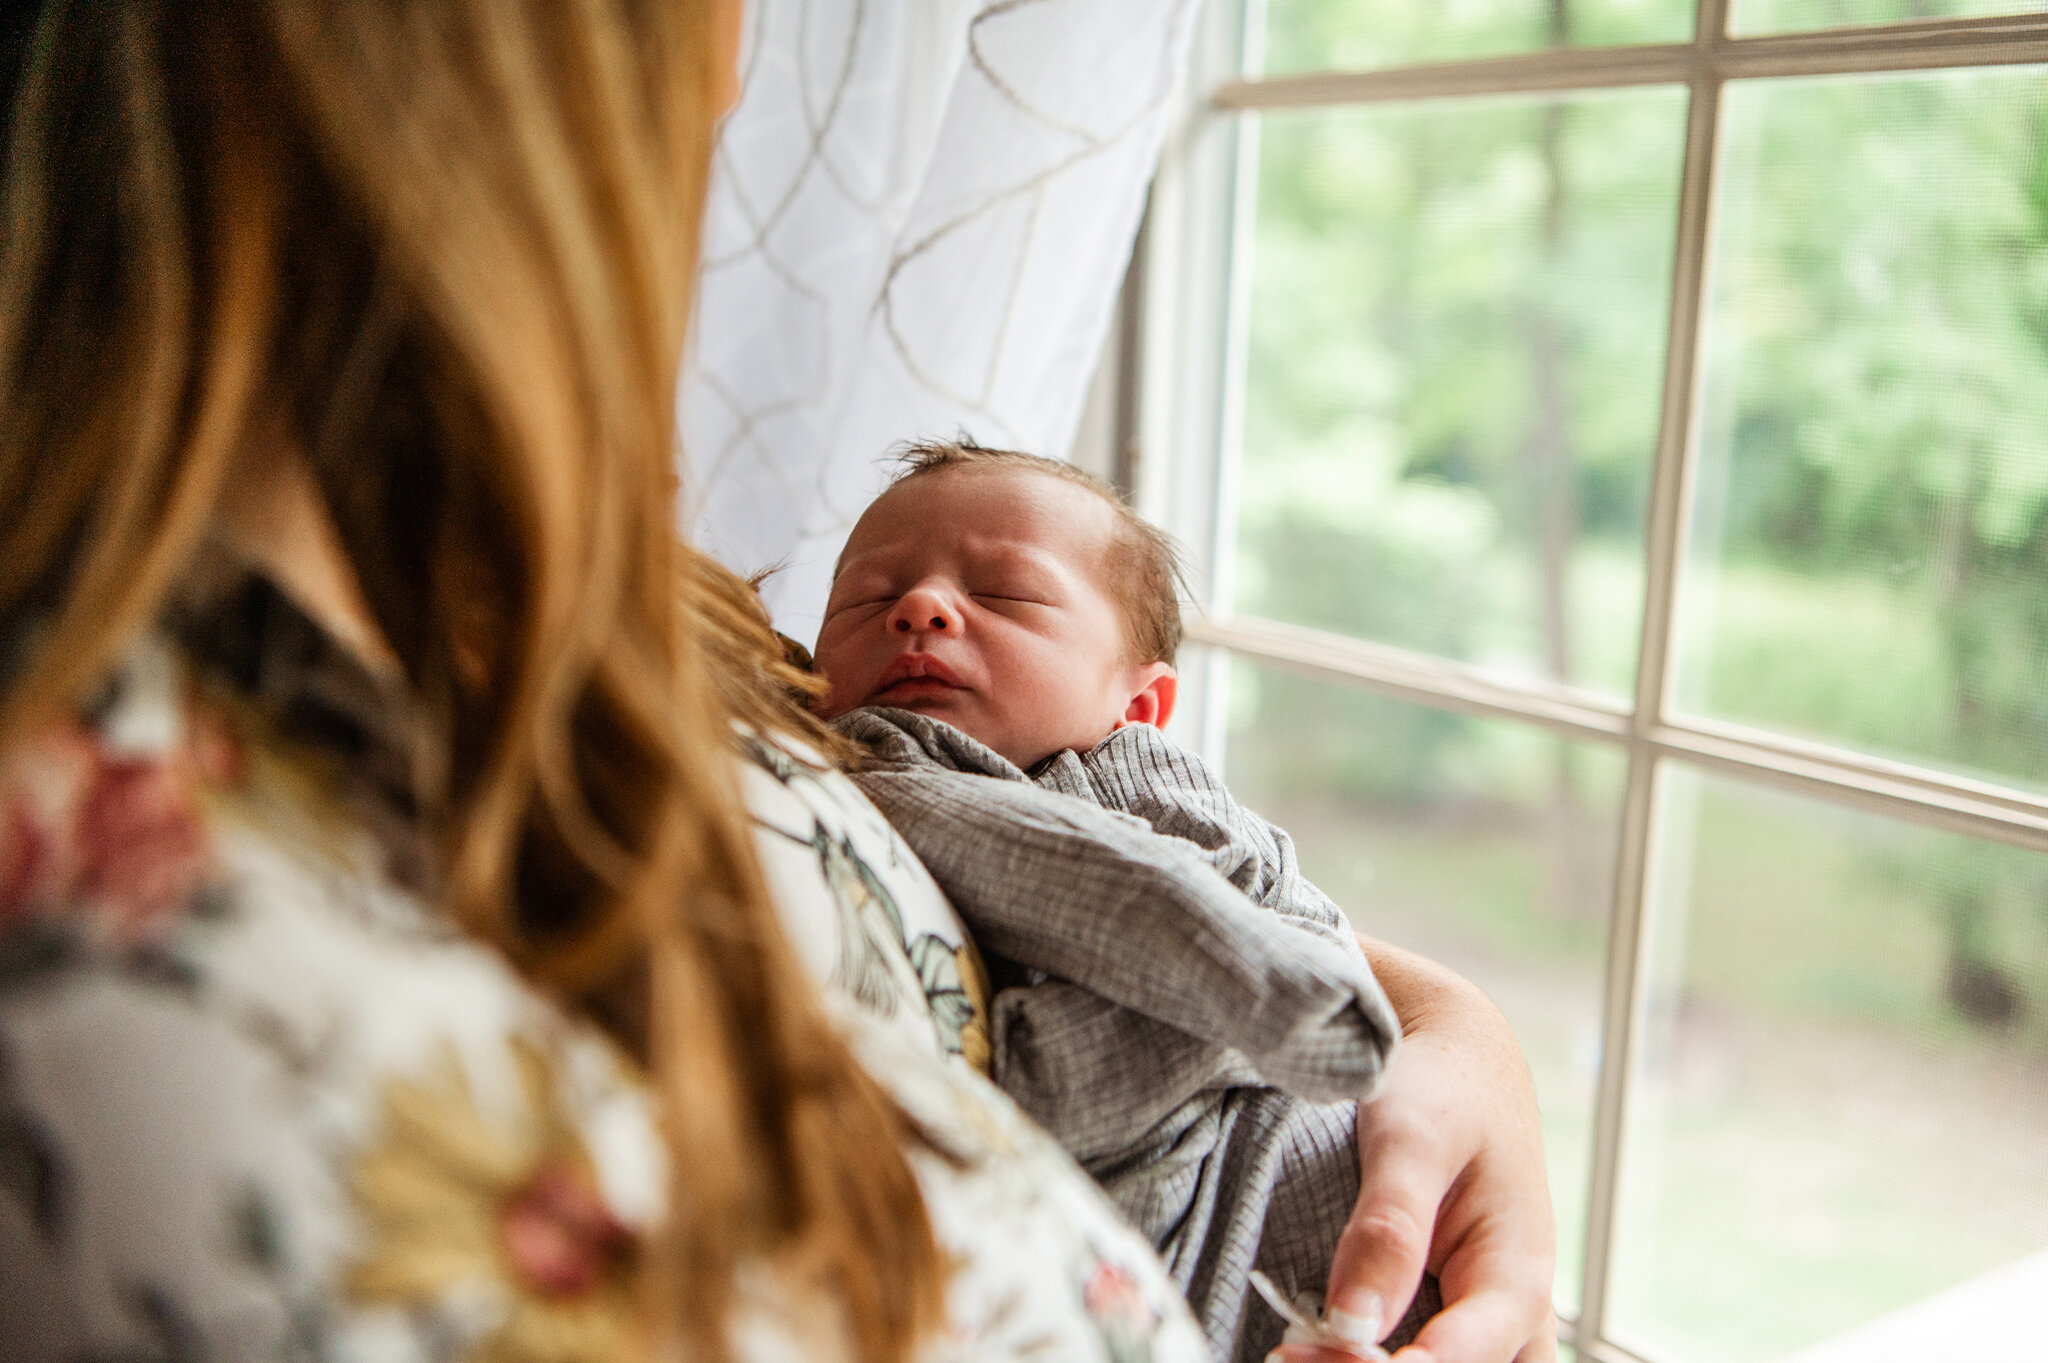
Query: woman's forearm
{"points": [[1427, 994]]}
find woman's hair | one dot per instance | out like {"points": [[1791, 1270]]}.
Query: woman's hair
{"points": [[770, 684], [445, 249]]}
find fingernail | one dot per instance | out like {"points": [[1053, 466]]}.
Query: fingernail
{"points": [[1358, 1320]]}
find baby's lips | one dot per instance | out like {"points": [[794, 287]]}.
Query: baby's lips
{"points": [[916, 667]]}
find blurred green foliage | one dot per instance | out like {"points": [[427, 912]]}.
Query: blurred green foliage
{"points": [[1803, 1088], [1348, 35], [1307, 35], [1790, 16], [1457, 346], [1457, 340], [1455, 363], [1877, 392]]}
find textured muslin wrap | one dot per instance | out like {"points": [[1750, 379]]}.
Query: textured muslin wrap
{"points": [[1185, 1012]]}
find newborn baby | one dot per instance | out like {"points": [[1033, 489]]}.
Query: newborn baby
{"points": [[1185, 1012]]}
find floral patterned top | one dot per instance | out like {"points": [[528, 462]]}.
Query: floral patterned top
{"points": [[258, 1101]]}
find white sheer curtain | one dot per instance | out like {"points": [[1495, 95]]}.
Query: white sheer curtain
{"points": [[918, 219]]}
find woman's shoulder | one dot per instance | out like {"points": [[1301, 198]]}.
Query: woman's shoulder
{"points": [[863, 915], [255, 1097]]}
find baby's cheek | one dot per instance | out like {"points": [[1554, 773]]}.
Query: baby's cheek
{"points": [[830, 705], [824, 666]]}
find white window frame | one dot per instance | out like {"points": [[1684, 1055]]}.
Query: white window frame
{"points": [[1183, 400]]}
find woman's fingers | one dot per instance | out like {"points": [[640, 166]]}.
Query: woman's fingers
{"points": [[1309, 1353], [1408, 1159], [1494, 1256], [1490, 1324], [1453, 1179], [1384, 1248], [1543, 1348]]}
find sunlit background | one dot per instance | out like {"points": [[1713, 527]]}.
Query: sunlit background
{"points": [[1455, 326]]}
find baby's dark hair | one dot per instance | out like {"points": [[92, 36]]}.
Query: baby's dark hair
{"points": [[1144, 560]]}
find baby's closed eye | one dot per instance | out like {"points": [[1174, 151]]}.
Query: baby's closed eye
{"points": [[1013, 586], [869, 592]]}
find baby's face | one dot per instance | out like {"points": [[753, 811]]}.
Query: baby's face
{"points": [[976, 596]]}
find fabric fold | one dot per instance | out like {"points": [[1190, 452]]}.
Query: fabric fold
{"points": [[1188, 1015]]}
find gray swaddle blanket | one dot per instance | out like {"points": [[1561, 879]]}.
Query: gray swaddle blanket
{"points": [[1196, 1022]]}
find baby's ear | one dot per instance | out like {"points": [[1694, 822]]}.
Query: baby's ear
{"points": [[1152, 702]]}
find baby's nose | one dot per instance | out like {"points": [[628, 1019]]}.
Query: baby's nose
{"points": [[923, 609]]}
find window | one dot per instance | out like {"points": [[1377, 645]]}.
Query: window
{"points": [[1612, 436]]}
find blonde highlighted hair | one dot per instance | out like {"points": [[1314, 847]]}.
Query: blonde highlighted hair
{"points": [[445, 248]]}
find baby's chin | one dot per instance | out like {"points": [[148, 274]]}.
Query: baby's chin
{"points": [[967, 711], [958, 708], [950, 708], [933, 701]]}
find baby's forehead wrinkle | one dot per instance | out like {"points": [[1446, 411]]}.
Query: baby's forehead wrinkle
{"points": [[1018, 525], [1035, 527], [1006, 544]]}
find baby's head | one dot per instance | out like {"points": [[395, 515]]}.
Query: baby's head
{"points": [[1014, 597]]}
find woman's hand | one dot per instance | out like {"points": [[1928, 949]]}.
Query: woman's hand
{"points": [[1454, 1181]]}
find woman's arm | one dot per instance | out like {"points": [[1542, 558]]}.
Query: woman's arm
{"points": [[1453, 1181]]}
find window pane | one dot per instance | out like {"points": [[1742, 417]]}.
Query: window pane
{"points": [[1358, 35], [1486, 845], [1456, 352], [1792, 16], [1870, 539], [1841, 1101]]}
